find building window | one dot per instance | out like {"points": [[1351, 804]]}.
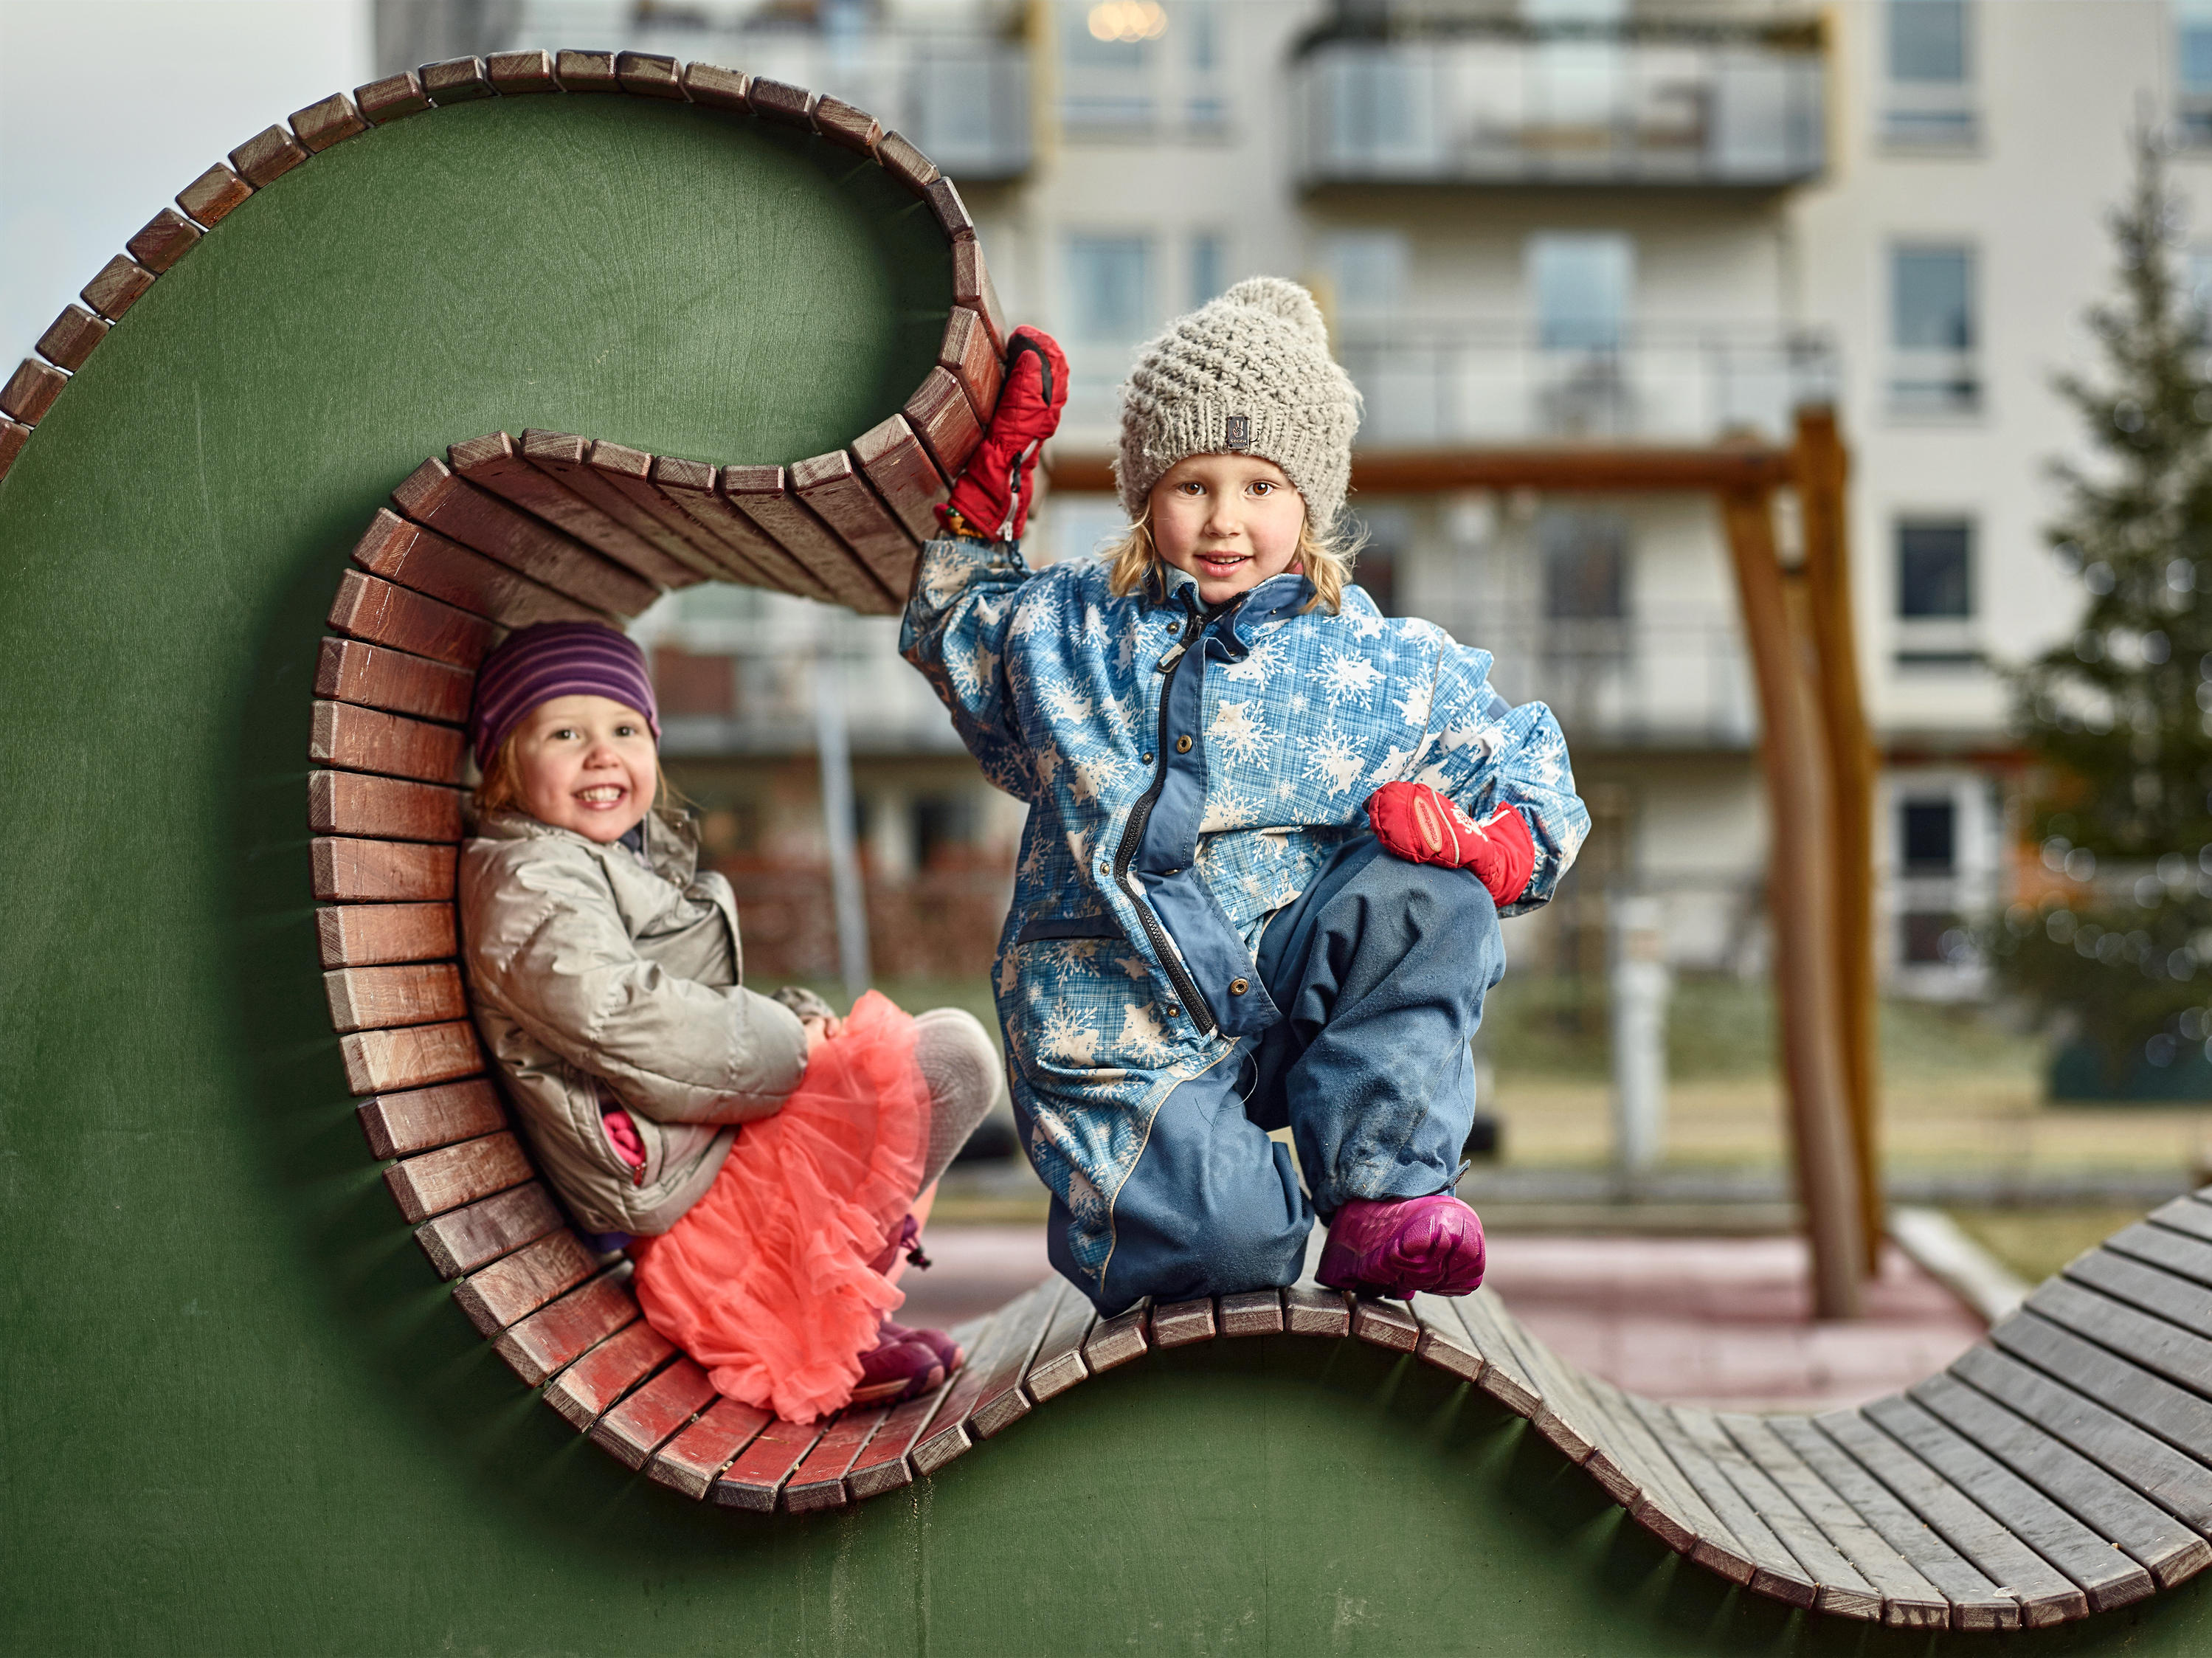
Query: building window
{"points": [[1585, 559], [1927, 835], [2192, 65], [1933, 368], [1109, 289], [1935, 567], [1928, 96], [1581, 284], [1209, 268]]}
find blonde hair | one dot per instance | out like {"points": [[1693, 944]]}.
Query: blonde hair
{"points": [[1326, 560], [500, 789]]}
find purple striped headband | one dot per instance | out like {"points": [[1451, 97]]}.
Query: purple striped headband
{"points": [[533, 666]]}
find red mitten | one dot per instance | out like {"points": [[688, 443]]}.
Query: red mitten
{"points": [[622, 1134], [1424, 827], [991, 499]]}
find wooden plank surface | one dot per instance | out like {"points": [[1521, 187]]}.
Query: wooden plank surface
{"points": [[763, 494], [433, 496], [907, 164], [689, 1462], [2044, 1594], [69, 338], [392, 98], [716, 88], [846, 126], [1310, 1310], [354, 738], [14, 434], [1118, 1339], [939, 415], [267, 156], [629, 473], [886, 1462], [818, 1481], [2176, 1414], [495, 462], [999, 1402], [166, 239], [2191, 1215], [1445, 1341], [1902, 1596], [381, 808], [2172, 1251], [1775, 1570], [556, 1335], [1667, 1505], [406, 621], [831, 485], [363, 935], [972, 286], [2093, 1495], [1568, 1417], [621, 528], [1058, 1364], [993, 1369], [210, 199], [649, 75], [464, 1239], [592, 1385], [642, 1423], [119, 285], [379, 1061], [432, 1182], [587, 71], [753, 558], [456, 81], [755, 1479], [944, 198], [780, 101], [350, 871], [413, 992], [426, 561], [400, 1124], [2163, 1293], [1180, 1323], [516, 1285], [31, 391], [517, 73], [354, 671], [327, 121], [1504, 1377], [1838, 1587], [1385, 1324], [903, 474], [2151, 1342], [2106, 1576], [1255, 1313], [967, 354]]}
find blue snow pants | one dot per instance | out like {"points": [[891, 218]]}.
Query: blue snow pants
{"points": [[1380, 968]]}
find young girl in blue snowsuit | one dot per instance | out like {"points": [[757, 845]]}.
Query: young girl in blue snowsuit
{"points": [[1271, 831]]}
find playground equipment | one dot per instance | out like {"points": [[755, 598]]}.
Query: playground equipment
{"points": [[238, 610]]}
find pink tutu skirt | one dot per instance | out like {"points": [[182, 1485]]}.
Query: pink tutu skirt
{"points": [[766, 1280]]}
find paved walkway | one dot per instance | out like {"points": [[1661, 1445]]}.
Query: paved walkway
{"points": [[1714, 1320]]}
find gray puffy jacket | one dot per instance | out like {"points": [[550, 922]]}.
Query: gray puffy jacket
{"points": [[601, 978]]}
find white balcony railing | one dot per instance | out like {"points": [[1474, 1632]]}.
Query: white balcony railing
{"points": [[1593, 107]]}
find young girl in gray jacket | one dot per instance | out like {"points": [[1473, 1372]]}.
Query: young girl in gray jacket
{"points": [[762, 1156]]}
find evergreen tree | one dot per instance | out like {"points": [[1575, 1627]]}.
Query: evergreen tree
{"points": [[2119, 717]]}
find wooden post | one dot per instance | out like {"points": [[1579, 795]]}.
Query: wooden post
{"points": [[1821, 467], [1800, 871]]}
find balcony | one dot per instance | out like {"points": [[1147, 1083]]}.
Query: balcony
{"points": [[1708, 108], [1432, 385]]}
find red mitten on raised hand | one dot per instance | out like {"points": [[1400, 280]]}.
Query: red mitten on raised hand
{"points": [[991, 499], [1424, 827]]}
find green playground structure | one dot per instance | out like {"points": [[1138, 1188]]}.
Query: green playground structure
{"points": [[546, 336]]}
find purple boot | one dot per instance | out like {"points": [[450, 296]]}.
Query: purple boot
{"points": [[1397, 1246], [895, 1370]]}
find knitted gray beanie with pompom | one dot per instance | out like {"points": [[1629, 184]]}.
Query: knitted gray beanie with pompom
{"points": [[1248, 373]]}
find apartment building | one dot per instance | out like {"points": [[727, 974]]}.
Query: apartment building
{"points": [[1554, 223]]}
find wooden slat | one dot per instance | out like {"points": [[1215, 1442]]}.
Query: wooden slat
{"points": [[2174, 1251], [592, 1386], [556, 1336], [381, 808], [406, 621], [754, 1480], [1568, 1417], [1504, 1378], [689, 1462], [884, 1463], [392, 99], [14, 434], [716, 87], [901, 471], [424, 560], [495, 462], [2161, 1544], [1118, 1339], [2177, 1482], [469, 1237], [516, 73], [1059, 1363], [944, 198], [434, 1182], [846, 126], [31, 391], [2151, 1342], [2191, 1215], [1385, 1325], [587, 71], [967, 354], [818, 1481], [753, 557], [2107, 1576], [1255, 1313], [1667, 1505], [832, 486], [2044, 1594], [350, 872], [397, 1125], [366, 935], [972, 286], [374, 998], [212, 197], [1180, 1323], [780, 101], [649, 75], [119, 285], [2175, 1414], [1000, 1402], [327, 121], [378, 1061], [1902, 1597], [1310, 1310], [350, 670], [456, 81], [1445, 1341], [1775, 1570], [433, 496], [1975, 1602], [905, 163], [641, 1424], [69, 338], [763, 494], [991, 1374], [640, 540], [941, 418], [267, 156], [354, 738], [628, 472], [167, 237], [1839, 1586], [516, 1285], [2168, 1296]]}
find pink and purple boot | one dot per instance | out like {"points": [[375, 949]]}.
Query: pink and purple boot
{"points": [[1397, 1246]]}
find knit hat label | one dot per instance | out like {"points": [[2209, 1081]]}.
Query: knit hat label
{"points": [[1237, 433]]}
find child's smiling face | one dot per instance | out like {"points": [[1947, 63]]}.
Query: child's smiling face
{"points": [[587, 764], [1231, 520]]}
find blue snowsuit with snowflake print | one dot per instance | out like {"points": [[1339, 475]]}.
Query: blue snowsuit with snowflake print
{"points": [[1205, 941]]}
